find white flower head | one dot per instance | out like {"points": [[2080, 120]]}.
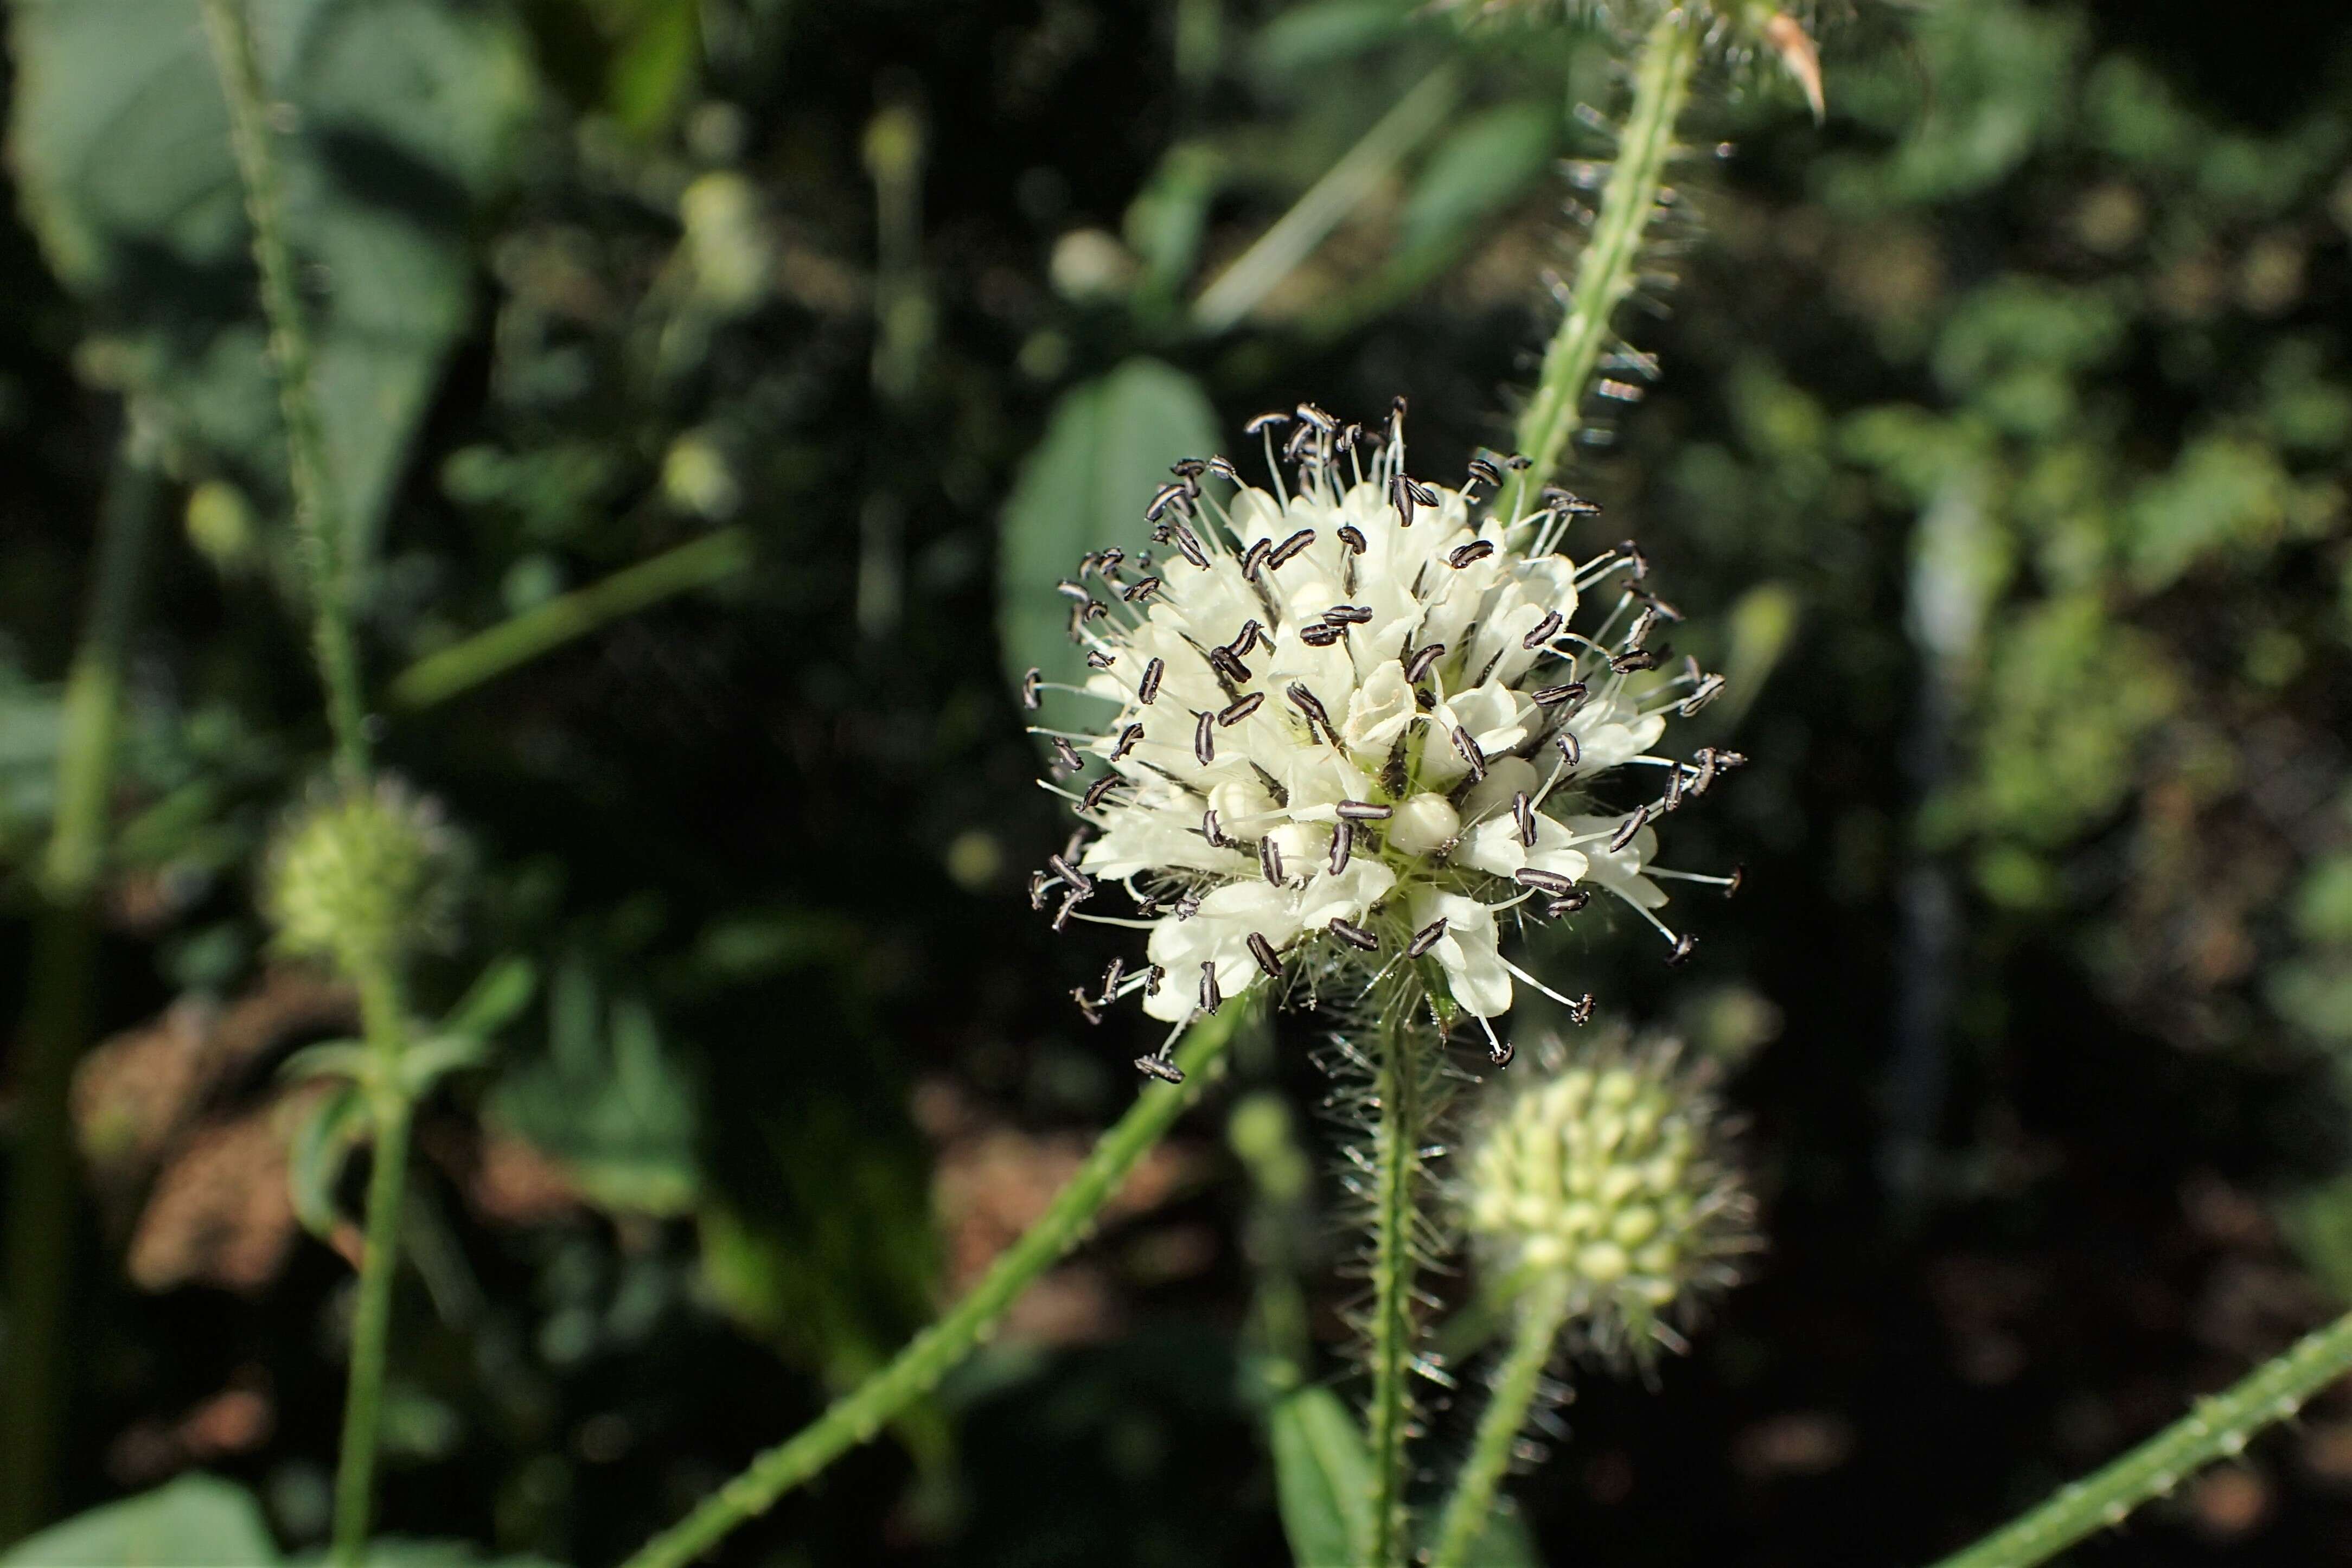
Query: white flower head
{"points": [[1355, 729]]}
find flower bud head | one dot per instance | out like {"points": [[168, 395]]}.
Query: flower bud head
{"points": [[362, 875], [1605, 1173]]}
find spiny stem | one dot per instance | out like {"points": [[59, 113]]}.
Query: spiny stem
{"points": [[2217, 1428], [1399, 1093], [56, 1019], [858, 1415], [1536, 1324], [1606, 273], [328, 550], [380, 1014]]}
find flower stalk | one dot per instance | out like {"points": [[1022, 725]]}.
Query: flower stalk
{"points": [[1536, 1325], [2217, 1427], [1400, 1104], [1606, 272], [390, 1108], [856, 1417]]}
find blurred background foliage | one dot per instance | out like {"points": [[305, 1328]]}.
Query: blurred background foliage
{"points": [[1999, 454]]}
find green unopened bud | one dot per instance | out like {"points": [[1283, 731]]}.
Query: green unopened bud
{"points": [[1604, 1175], [362, 876]]}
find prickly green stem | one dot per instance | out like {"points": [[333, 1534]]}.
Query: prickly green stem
{"points": [[380, 1014], [1606, 273], [1400, 1093], [1536, 1321], [858, 1415], [2216, 1428], [329, 549]]}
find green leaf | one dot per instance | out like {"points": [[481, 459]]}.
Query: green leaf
{"points": [[329, 1059], [424, 1062], [1481, 166], [322, 1141], [403, 113], [195, 1522], [608, 1101], [496, 998], [394, 1552], [1107, 448], [1323, 1479]]}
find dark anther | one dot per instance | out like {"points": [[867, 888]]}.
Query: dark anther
{"points": [[1476, 550], [1240, 708], [1085, 1004], [1265, 422], [1706, 694], [1426, 938], [1284, 552], [1552, 696], [1347, 615], [1068, 756], [1468, 747], [1321, 635], [1365, 811], [1212, 998], [1418, 666], [1523, 813], [1159, 1067], [1549, 882], [1142, 588], [1149, 688], [1029, 698], [1353, 538], [1262, 951], [1567, 904], [1354, 936], [1738, 875], [1097, 791], [1269, 860], [1343, 844], [1204, 739], [1627, 828], [1543, 631], [1128, 738]]}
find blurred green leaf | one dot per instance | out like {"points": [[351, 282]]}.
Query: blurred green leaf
{"points": [[394, 1552], [1323, 1479], [195, 1522], [496, 998], [403, 113], [2323, 901], [1325, 32], [608, 1101], [2221, 491], [656, 44], [1107, 448], [424, 1062], [322, 1141], [1483, 164]]}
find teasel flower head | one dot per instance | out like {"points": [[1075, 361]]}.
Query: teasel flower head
{"points": [[1606, 1171], [1355, 720], [362, 875]]}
